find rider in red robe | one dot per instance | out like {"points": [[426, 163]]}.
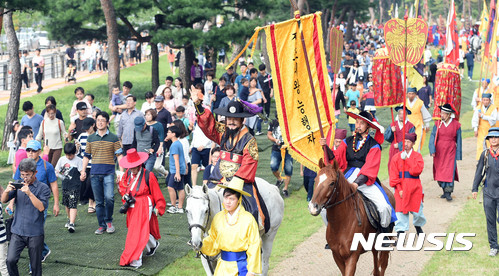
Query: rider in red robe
{"points": [[393, 134], [142, 222], [445, 147], [238, 150]]}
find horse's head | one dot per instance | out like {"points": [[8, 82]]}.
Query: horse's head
{"points": [[198, 212], [326, 179]]}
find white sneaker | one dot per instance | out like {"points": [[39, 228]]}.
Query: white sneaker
{"points": [[493, 252], [172, 210], [179, 211]]}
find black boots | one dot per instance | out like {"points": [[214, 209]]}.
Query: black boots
{"points": [[447, 196], [419, 230], [444, 193]]}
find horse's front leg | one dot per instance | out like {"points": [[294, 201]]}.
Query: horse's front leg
{"points": [[351, 263], [340, 262]]}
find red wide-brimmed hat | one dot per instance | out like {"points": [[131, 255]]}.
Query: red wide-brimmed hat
{"points": [[133, 159]]}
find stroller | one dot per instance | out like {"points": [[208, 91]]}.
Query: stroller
{"points": [[70, 72]]}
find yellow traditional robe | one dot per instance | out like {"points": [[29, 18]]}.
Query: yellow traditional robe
{"points": [[483, 129], [416, 118], [242, 236]]}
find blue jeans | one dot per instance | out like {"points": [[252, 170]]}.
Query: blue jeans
{"points": [[308, 184], [150, 162], [258, 125], [470, 71], [275, 162], [91, 65], [103, 187]]}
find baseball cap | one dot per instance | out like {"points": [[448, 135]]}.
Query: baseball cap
{"points": [[81, 106], [139, 123], [159, 98], [87, 123], [34, 144]]}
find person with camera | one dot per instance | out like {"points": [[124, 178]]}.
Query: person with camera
{"points": [[146, 139], [142, 202], [32, 199]]}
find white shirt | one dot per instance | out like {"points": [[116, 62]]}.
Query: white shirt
{"points": [[185, 147], [491, 119], [199, 139], [146, 106]]}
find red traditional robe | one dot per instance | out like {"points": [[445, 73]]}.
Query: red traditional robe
{"points": [[137, 218], [445, 143], [214, 130], [412, 194], [397, 138]]}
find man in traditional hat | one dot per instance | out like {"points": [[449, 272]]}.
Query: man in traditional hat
{"points": [[477, 95], [483, 118], [239, 152], [142, 202], [234, 233], [486, 168], [355, 151], [419, 116], [404, 177], [446, 148], [394, 134]]}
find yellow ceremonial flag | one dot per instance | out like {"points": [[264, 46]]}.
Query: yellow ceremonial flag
{"points": [[293, 89], [493, 47], [484, 19]]}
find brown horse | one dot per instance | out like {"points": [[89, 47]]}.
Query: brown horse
{"points": [[346, 215]]}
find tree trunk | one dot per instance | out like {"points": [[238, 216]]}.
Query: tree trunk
{"points": [[333, 13], [154, 66], [302, 6], [265, 54], [15, 69], [342, 15], [113, 76], [351, 17], [235, 51], [372, 16], [380, 11], [186, 59], [213, 57]]}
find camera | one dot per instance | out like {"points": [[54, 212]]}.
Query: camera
{"points": [[129, 200], [18, 184]]}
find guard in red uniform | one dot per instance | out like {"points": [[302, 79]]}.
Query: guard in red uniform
{"points": [[404, 177], [393, 134], [239, 152], [445, 147], [142, 201]]}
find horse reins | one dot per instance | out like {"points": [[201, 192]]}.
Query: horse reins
{"points": [[334, 203], [203, 228]]}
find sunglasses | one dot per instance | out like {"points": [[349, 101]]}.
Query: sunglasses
{"points": [[31, 150]]}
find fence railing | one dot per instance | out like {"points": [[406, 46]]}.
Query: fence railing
{"points": [[55, 67]]}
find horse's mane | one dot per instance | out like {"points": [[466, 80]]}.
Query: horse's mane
{"points": [[344, 187]]}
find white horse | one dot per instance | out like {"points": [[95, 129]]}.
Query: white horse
{"points": [[204, 203]]}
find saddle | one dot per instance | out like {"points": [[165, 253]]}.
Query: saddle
{"points": [[371, 211], [263, 213]]}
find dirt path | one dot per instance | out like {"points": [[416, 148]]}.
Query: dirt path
{"points": [[310, 258]]}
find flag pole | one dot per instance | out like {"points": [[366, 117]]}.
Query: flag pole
{"points": [[405, 92], [297, 16]]}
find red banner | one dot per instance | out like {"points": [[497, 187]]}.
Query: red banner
{"points": [[447, 88], [387, 79], [452, 42]]}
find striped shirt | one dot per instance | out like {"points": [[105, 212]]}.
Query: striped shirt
{"points": [[3, 232], [82, 139], [102, 149]]}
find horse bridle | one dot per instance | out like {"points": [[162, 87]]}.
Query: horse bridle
{"points": [[203, 229], [331, 202]]}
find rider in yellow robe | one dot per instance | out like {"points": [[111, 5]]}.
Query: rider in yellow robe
{"points": [[235, 236], [484, 118], [420, 117]]}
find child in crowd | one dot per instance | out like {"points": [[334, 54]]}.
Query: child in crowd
{"points": [[80, 97], [12, 143], [68, 169], [215, 155], [352, 95], [180, 114], [117, 99], [90, 98], [174, 180], [190, 110], [170, 103], [23, 137], [351, 121], [149, 103]]}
